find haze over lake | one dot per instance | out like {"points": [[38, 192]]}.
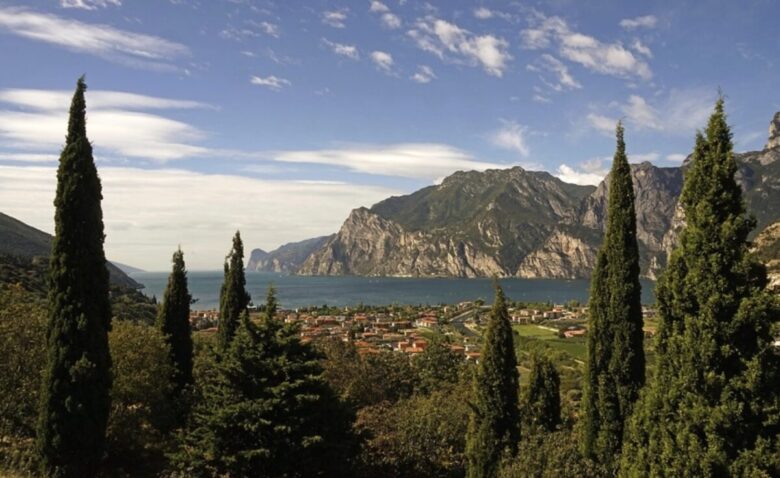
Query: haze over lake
{"points": [[300, 291]]}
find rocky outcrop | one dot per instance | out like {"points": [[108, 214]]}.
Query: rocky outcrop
{"points": [[368, 244], [767, 248], [774, 132], [656, 191], [287, 258], [562, 256]]}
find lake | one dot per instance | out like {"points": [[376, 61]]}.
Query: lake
{"points": [[300, 291]]}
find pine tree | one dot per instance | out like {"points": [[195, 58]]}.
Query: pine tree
{"points": [[494, 424], [233, 298], [713, 407], [616, 362], [269, 411], [173, 320], [541, 402], [75, 394]]}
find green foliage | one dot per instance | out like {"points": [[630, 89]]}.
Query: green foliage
{"points": [[541, 401], [370, 380], [140, 399], [437, 366], [713, 408], [173, 321], [267, 412], [494, 423], [75, 395], [423, 435], [233, 298], [551, 455], [616, 362], [22, 355]]}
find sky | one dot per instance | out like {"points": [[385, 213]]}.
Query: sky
{"points": [[279, 117]]}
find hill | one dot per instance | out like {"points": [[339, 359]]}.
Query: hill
{"points": [[24, 244]]}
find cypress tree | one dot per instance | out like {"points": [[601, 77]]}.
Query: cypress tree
{"points": [[173, 320], [75, 392], [713, 406], [233, 298], [494, 423], [542, 400], [616, 362], [268, 411]]}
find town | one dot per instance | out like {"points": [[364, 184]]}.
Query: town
{"points": [[409, 329]]}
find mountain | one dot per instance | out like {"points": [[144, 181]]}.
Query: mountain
{"points": [[20, 243], [286, 258], [472, 224], [767, 249], [518, 223]]}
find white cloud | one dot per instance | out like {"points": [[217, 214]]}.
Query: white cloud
{"points": [[483, 13], [606, 58], [540, 98], [382, 60], [647, 21], [269, 29], [89, 4], [640, 47], [448, 41], [511, 136], [132, 49], [117, 124], [568, 174], [335, 18], [273, 82], [641, 114], [563, 78], [349, 51], [424, 74], [378, 7], [59, 101], [602, 123], [391, 20], [676, 157], [147, 213], [680, 112], [408, 160]]}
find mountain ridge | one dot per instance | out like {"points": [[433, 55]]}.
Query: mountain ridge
{"points": [[518, 223]]}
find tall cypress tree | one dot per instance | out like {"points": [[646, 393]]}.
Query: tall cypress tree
{"points": [[712, 409], [173, 320], [494, 424], [616, 362], [75, 394], [233, 299], [542, 400]]}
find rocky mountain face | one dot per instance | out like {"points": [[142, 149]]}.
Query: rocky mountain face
{"points": [[471, 225], [767, 248], [287, 258], [517, 223], [774, 132]]}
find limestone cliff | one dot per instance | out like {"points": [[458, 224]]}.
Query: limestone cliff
{"points": [[562, 256]]}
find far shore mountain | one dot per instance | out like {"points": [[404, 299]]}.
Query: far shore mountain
{"points": [[514, 223], [21, 243]]}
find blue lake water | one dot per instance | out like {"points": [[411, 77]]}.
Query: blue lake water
{"points": [[301, 291]]}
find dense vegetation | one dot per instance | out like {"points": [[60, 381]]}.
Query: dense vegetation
{"points": [[128, 389]]}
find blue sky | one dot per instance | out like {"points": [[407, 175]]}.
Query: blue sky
{"points": [[279, 117]]}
